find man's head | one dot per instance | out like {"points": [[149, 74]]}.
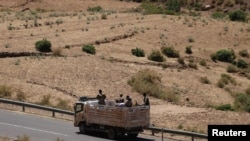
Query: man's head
{"points": [[100, 91], [121, 95]]}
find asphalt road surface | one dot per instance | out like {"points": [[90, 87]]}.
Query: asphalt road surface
{"points": [[38, 128]]}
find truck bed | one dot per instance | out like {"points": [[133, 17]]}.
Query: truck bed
{"points": [[124, 117]]}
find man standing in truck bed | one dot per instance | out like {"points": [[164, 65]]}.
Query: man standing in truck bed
{"points": [[101, 98]]}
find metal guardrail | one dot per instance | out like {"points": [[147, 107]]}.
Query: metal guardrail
{"points": [[55, 110], [24, 104]]}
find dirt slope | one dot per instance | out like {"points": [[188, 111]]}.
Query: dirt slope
{"points": [[77, 73]]}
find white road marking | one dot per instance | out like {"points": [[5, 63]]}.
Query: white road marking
{"points": [[34, 129]]}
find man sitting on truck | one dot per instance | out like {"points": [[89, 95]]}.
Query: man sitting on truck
{"points": [[121, 99], [128, 102], [101, 98]]}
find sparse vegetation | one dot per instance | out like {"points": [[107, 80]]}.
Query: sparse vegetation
{"points": [[225, 80], [23, 138], [244, 53], [205, 80], [225, 107], [45, 100], [148, 81], [5, 91]]}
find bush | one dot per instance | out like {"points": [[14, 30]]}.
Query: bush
{"points": [[238, 15], [151, 8], [5, 91], [248, 91], [224, 56], [241, 64], [156, 56], [242, 102], [63, 104], [45, 100], [148, 81], [21, 96], [189, 50], [244, 53], [170, 52], [232, 69], [89, 49], [225, 107], [95, 9], [205, 80], [174, 5], [181, 61], [104, 16], [218, 15], [43, 45], [138, 52]]}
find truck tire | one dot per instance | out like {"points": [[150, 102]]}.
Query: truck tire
{"points": [[133, 135], [111, 133], [83, 128]]}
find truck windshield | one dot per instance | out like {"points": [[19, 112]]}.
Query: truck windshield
{"points": [[78, 108]]}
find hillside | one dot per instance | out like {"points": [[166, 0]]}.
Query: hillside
{"points": [[68, 25]]}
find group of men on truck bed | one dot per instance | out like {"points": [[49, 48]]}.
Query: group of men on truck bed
{"points": [[121, 102]]}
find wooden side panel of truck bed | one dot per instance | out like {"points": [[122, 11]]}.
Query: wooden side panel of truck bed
{"points": [[123, 117]]}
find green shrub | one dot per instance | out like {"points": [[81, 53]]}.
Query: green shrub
{"points": [[5, 91], [238, 15], [151, 8], [43, 45], [138, 52], [224, 56], [240, 63], [244, 53], [174, 5], [95, 9], [156, 55], [170, 52], [89, 49], [225, 107], [242, 102], [219, 15], [189, 50]]}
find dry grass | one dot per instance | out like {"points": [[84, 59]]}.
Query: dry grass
{"points": [[76, 73]]}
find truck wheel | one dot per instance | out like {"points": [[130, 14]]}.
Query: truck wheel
{"points": [[111, 134], [83, 128], [133, 135]]}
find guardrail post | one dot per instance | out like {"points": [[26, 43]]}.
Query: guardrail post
{"points": [[23, 108], [53, 113], [192, 138], [161, 134]]}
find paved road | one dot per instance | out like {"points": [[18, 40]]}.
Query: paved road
{"points": [[13, 124]]}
